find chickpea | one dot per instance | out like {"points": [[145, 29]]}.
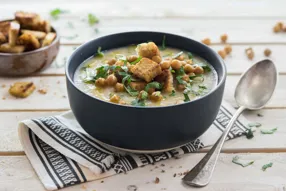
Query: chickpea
{"points": [[156, 96], [223, 38], [115, 98], [189, 61], [206, 41], [111, 80], [111, 61], [181, 87], [119, 87], [222, 53], [199, 70], [176, 64], [188, 68], [151, 90], [250, 54], [165, 65], [227, 49], [186, 78], [119, 63], [276, 29], [132, 58], [157, 59], [267, 52], [280, 24], [181, 57], [100, 82], [183, 63], [191, 74]]}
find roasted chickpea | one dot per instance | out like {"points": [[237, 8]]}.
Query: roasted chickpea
{"points": [[249, 53], [181, 87], [227, 49], [199, 70], [223, 38], [119, 63], [165, 65], [189, 61], [119, 87], [181, 57], [186, 78], [111, 80], [111, 61], [100, 82], [157, 59], [151, 90], [132, 58], [267, 52], [188, 68], [276, 29], [156, 96], [206, 41], [115, 98], [222, 53], [176, 64], [183, 63]]}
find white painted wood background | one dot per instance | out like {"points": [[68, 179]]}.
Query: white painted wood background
{"points": [[248, 23]]}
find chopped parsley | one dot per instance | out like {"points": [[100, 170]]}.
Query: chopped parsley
{"points": [[249, 134], [155, 85], [56, 12], [126, 81], [136, 61], [163, 43], [205, 67], [190, 55], [173, 93], [264, 167], [203, 87], [255, 124], [92, 19], [178, 54], [140, 101], [99, 53], [186, 96], [243, 163], [268, 131]]}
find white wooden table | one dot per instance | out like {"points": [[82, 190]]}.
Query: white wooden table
{"points": [[247, 23]]}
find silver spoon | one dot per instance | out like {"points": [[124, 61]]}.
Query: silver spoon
{"points": [[252, 92]]}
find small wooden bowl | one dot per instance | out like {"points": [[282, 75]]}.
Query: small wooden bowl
{"points": [[27, 63]]}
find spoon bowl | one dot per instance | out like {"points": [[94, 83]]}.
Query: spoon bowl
{"points": [[256, 86]]}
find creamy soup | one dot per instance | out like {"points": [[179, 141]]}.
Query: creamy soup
{"points": [[145, 75]]}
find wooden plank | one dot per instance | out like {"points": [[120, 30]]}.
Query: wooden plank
{"points": [[56, 97], [19, 170], [236, 63], [9, 141], [181, 8]]}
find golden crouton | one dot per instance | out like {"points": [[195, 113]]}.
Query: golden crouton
{"points": [[7, 48], [166, 78], [137, 85], [3, 38], [13, 33], [4, 28], [30, 41], [148, 50], [146, 69], [22, 89], [49, 39], [38, 34]]}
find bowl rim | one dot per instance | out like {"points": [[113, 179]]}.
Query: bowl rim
{"points": [[220, 83], [56, 40]]}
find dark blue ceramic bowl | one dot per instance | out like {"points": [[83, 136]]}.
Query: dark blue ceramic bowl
{"points": [[144, 128]]}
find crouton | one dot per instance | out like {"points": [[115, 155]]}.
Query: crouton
{"points": [[38, 34], [13, 33], [4, 28], [30, 41], [22, 89], [137, 85], [166, 78], [49, 39], [7, 48], [148, 50], [146, 69], [3, 38]]}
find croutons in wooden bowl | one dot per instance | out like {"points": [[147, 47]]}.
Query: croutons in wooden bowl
{"points": [[28, 45]]}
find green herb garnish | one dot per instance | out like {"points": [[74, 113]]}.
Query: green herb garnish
{"points": [[155, 85], [140, 101], [205, 67], [102, 72], [187, 98], [56, 12], [242, 163], [177, 55], [202, 87], [268, 131], [255, 124], [264, 167], [131, 91], [92, 19], [163, 43], [99, 53], [173, 93], [190, 55], [136, 61], [249, 134], [126, 81], [144, 95]]}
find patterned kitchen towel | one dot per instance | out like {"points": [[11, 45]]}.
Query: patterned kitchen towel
{"points": [[62, 154]]}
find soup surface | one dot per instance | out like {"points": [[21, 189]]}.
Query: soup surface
{"points": [[144, 75]]}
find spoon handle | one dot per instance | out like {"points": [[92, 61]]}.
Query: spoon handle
{"points": [[201, 174]]}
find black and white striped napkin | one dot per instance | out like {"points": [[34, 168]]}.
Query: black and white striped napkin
{"points": [[62, 154]]}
